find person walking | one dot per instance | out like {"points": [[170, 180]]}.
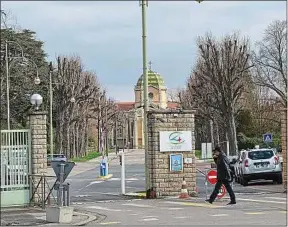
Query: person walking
{"points": [[224, 176]]}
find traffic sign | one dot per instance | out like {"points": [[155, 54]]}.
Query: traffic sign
{"points": [[267, 138], [67, 168], [222, 192], [212, 176]]}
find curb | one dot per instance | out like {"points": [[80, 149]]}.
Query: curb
{"points": [[136, 194], [85, 222], [109, 176]]}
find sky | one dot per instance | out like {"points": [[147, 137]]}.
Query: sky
{"points": [[107, 35]]}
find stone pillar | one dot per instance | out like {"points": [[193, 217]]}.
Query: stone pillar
{"points": [[135, 134], [38, 128], [164, 182], [284, 146]]}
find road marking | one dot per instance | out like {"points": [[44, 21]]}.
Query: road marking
{"points": [[133, 214], [114, 179], [110, 223], [193, 204], [255, 213], [276, 198], [261, 201], [219, 215], [135, 205], [180, 217], [150, 219], [283, 211], [175, 208], [103, 208], [94, 182]]}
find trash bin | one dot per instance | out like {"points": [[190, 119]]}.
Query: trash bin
{"points": [[103, 168]]}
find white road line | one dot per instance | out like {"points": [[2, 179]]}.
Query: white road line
{"points": [[150, 219], [180, 217], [174, 208], [276, 198], [219, 215], [135, 205], [260, 201], [94, 182], [102, 208]]}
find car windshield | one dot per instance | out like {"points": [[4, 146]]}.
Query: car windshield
{"points": [[262, 154], [59, 156]]}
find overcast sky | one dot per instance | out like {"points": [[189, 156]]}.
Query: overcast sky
{"points": [[107, 34]]}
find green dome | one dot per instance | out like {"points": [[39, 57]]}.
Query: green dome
{"points": [[154, 79]]}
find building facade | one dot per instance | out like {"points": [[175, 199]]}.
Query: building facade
{"points": [[129, 128]]}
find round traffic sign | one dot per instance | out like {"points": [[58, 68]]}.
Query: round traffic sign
{"points": [[212, 176], [222, 192]]}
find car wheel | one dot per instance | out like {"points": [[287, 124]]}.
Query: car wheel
{"points": [[244, 181], [279, 180]]}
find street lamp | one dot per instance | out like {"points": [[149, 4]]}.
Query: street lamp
{"points": [[25, 60], [144, 4], [7, 58], [36, 100]]}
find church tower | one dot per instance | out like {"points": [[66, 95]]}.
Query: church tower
{"points": [[157, 91]]}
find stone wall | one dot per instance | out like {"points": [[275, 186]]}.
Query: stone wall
{"points": [[284, 146], [164, 182]]}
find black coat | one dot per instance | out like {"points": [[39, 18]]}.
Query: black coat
{"points": [[223, 168]]}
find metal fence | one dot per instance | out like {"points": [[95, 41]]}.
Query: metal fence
{"points": [[15, 167]]}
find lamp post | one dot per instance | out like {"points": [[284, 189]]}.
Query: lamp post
{"points": [[7, 76], [144, 4], [36, 100]]}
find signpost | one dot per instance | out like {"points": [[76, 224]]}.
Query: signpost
{"points": [[212, 176], [267, 138]]}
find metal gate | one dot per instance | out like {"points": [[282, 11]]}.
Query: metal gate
{"points": [[15, 167]]}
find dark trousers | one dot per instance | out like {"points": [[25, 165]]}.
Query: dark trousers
{"points": [[217, 188]]}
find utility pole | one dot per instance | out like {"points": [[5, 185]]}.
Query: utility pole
{"points": [[212, 133], [7, 85], [51, 109], [144, 4]]}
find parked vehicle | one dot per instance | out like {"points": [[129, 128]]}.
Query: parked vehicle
{"points": [[236, 167], [56, 157], [258, 164], [232, 161]]}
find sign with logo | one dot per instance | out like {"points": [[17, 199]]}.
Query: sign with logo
{"points": [[175, 141], [267, 138], [176, 162]]}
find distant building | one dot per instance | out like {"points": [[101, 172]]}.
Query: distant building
{"points": [[133, 127]]}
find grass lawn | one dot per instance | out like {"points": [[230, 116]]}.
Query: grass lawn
{"points": [[88, 157], [198, 154]]}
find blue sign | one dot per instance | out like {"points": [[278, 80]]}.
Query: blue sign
{"points": [[176, 162], [267, 138]]}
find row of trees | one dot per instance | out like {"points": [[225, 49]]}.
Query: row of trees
{"points": [[80, 105], [238, 92]]}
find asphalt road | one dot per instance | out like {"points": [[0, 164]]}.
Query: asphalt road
{"points": [[85, 187]]}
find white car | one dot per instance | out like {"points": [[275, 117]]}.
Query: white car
{"points": [[258, 164], [236, 167]]}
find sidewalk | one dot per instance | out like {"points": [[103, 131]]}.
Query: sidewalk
{"points": [[37, 217]]}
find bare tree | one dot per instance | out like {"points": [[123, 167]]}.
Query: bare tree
{"points": [[270, 60], [219, 78]]}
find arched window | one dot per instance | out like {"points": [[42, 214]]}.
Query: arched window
{"points": [[150, 95]]}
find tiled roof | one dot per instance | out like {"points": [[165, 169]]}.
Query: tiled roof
{"points": [[125, 105]]}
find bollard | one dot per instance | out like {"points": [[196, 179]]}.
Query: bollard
{"points": [[68, 194], [123, 173], [60, 191], [206, 184]]}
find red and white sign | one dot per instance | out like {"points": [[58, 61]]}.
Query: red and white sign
{"points": [[212, 176], [222, 192]]}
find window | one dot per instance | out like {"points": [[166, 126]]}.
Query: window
{"points": [[261, 154], [150, 95]]}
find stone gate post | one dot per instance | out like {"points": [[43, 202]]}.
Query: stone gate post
{"points": [[164, 181], [38, 121], [284, 146]]}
